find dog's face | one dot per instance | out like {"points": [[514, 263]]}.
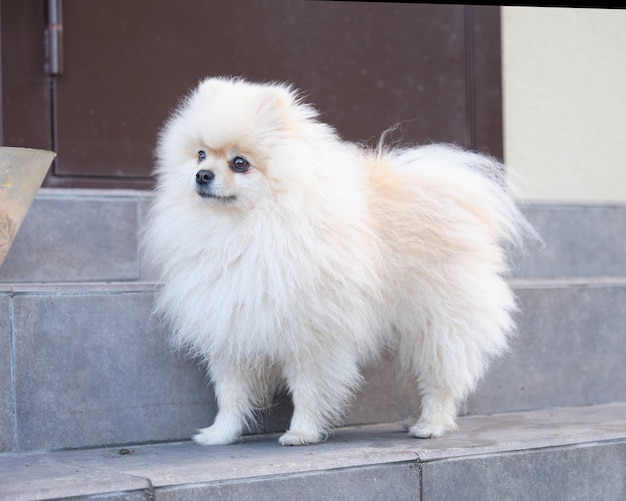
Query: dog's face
{"points": [[231, 144], [228, 175]]}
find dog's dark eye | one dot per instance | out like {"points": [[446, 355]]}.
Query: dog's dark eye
{"points": [[239, 164], [201, 156]]}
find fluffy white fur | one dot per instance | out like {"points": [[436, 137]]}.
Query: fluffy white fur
{"points": [[321, 255]]}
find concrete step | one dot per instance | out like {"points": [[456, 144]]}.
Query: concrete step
{"points": [[91, 235], [79, 235], [85, 365], [572, 453], [581, 240]]}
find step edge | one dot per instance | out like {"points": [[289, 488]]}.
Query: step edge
{"points": [[517, 283], [175, 470]]}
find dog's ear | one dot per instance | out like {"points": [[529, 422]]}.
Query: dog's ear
{"points": [[276, 105], [282, 106], [209, 86]]}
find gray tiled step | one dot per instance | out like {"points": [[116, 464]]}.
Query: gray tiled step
{"points": [[580, 240], [87, 235], [86, 365], [79, 235], [575, 453]]}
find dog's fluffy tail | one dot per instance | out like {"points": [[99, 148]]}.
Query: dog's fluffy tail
{"points": [[474, 181]]}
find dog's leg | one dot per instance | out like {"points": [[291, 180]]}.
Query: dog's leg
{"points": [[234, 394], [319, 391], [438, 414], [436, 361]]}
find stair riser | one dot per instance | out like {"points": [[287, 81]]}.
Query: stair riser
{"points": [[86, 235], [87, 368], [594, 471], [569, 348], [96, 368], [580, 240], [372, 483], [79, 235]]}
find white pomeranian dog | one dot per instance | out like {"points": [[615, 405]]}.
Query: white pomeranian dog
{"points": [[291, 258]]}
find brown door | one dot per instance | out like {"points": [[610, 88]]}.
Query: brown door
{"points": [[434, 69]]}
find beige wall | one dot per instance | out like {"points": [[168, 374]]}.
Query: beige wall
{"points": [[564, 79]]}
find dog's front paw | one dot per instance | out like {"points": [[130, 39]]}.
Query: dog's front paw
{"points": [[293, 437], [424, 429], [215, 436]]}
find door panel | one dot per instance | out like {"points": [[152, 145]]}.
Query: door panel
{"points": [[25, 109], [365, 65]]}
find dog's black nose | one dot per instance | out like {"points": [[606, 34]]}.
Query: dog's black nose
{"points": [[204, 177]]}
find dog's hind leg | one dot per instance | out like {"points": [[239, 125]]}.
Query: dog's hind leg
{"points": [[320, 391], [438, 363], [438, 414]]}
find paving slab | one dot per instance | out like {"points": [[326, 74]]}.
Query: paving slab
{"points": [[361, 460]]}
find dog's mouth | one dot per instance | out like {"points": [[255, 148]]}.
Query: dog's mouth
{"points": [[215, 196]]}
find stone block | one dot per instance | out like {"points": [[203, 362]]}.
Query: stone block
{"points": [[569, 351], [75, 237], [372, 483], [589, 471], [580, 240], [94, 368]]}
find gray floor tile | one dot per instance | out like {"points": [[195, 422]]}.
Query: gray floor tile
{"points": [[592, 471], [95, 369], [75, 238], [569, 351], [580, 240]]}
